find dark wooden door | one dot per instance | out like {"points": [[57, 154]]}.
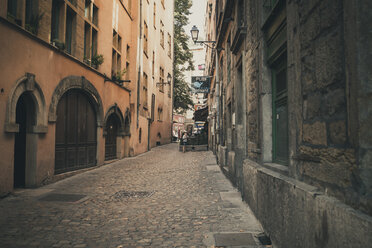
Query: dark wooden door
{"points": [[280, 113], [20, 144], [111, 134], [76, 128]]}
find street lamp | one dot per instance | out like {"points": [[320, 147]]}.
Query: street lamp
{"points": [[169, 80], [194, 36], [194, 33]]}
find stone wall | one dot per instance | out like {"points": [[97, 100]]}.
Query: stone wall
{"points": [[295, 214]]}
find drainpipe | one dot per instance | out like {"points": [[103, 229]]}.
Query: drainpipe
{"points": [[217, 131], [140, 62], [172, 82]]}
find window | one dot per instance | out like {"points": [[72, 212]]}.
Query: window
{"points": [[25, 13], [90, 34], [153, 64], [63, 26], [240, 13], [161, 79], [57, 10], [161, 34], [127, 63], [140, 135], [144, 92], [130, 6], [152, 107], [12, 10], [269, 6], [160, 114], [169, 46], [276, 37], [145, 37], [154, 15], [116, 72], [228, 60], [169, 88], [70, 29]]}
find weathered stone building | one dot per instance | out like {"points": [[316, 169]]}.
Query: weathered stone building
{"points": [[70, 86], [291, 103]]}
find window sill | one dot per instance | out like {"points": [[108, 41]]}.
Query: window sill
{"points": [[282, 169]]}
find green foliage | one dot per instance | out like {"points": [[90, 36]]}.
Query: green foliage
{"points": [[97, 59], [182, 56], [59, 44], [34, 23], [121, 73]]}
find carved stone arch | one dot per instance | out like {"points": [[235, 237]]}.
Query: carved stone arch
{"points": [[28, 84], [114, 109], [127, 121], [76, 82]]}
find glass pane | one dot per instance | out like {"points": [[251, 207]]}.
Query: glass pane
{"points": [[281, 82], [69, 29], [95, 15], [55, 19]]}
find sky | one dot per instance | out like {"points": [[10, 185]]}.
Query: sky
{"points": [[197, 17]]}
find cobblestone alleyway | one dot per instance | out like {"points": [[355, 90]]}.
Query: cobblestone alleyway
{"points": [[163, 198]]}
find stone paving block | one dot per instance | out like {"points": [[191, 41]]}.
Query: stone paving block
{"points": [[185, 205]]}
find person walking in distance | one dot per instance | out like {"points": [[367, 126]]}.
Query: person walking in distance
{"points": [[184, 141]]}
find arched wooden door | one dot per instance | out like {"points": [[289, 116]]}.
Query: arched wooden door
{"points": [[112, 126], [25, 118], [76, 132]]}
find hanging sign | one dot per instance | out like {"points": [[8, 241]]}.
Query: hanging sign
{"points": [[200, 84]]}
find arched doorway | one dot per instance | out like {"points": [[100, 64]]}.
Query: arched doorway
{"points": [[76, 132], [112, 128], [126, 133], [25, 118]]}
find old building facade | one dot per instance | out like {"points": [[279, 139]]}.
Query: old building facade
{"points": [[290, 105], [155, 71], [70, 86]]}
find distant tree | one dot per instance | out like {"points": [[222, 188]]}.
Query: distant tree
{"points": [[182, 56]]}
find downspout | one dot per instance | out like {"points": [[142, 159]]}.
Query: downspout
{"points": [[172, 81], [140, 62], [217, 131]]}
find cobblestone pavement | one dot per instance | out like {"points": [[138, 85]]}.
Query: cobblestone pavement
{"points": [[163, 198]]}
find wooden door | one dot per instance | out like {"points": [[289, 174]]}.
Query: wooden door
{"points": [[280, 113], [111, 135], [76, 129]]}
